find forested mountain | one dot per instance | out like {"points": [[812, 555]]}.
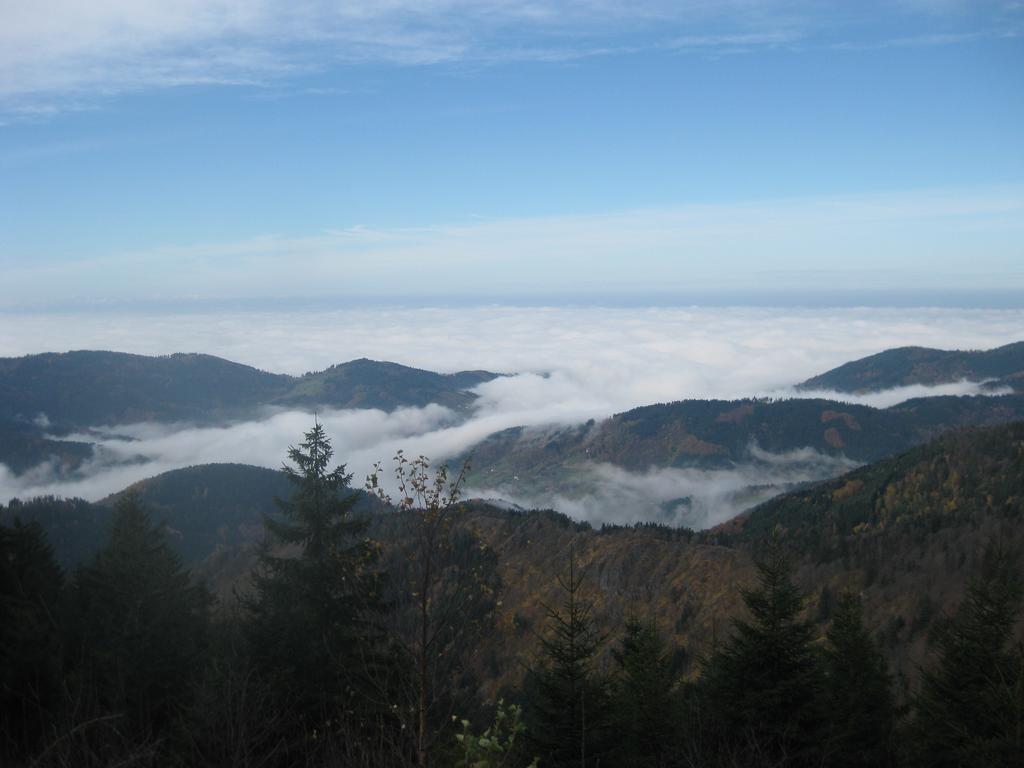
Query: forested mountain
{"points": [[86, 388], [48, 395], [24, 445], [903, 531], [45, 396], [723, 434], [221, 505], [77, 390], [904, 366], [902, 528], [207, 511], [372, 384], [204, 509], [905, 535], [210, 507]]}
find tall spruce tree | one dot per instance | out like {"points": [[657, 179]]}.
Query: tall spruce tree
{"points": [[861, 708], [568, 707], [646, 706], [30, 648], [970, 710], [762, 691], [310, 620], [140, 623]]}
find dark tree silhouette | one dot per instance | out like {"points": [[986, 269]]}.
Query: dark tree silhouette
{"points": [[30, 647], [763, 688], [645, 701], [970, 711], [141, 624], [568, 706], [861, 707], [311, 619]]}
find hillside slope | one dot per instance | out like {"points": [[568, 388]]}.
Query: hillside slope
{"points": [[906, 533], [920, 365], [207, 510], [719, 434]]}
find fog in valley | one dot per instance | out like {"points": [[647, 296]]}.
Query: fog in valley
{"points": [[566, 365]]}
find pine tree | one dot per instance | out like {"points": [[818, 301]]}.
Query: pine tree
{"points": [[645, 699], [310, 618], [568, 707], [762, 691], [141, 624], [861, 707], [970, 711], [30, 649]]}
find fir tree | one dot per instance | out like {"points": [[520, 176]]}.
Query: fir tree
{"points": [[970, 711], [645, 701], [762, 691], [861, 708], [568, 708], [30, 650], [309, 621], [141, 623]]}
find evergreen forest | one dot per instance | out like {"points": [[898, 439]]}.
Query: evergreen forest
{"points": [[358, 636]]}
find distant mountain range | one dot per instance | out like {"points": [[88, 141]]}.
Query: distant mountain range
{"points": [[76, 390], [43, 397], [1003, 367]]}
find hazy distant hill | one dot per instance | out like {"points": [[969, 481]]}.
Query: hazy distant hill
{"points": [[919, 365], [75, 528], [83, 389], [204, 507], [22, 447], [371, 384], [47, 395], [208, 509], [211, 505]]}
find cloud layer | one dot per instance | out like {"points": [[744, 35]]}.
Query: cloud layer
{"points": [[693, 498], [573, 364]]}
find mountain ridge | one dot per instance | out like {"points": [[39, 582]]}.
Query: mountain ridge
{"points": [[718, 434], [905, 366], [88, 388], [49, 396]]}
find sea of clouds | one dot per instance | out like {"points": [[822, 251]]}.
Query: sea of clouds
{"points": [[570, 364]]}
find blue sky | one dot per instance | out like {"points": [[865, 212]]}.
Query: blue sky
{"points": [[170, 150]]}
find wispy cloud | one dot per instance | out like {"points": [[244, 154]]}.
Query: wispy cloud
{"points": [[694, 498], [930, 234], [55, 52]]}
